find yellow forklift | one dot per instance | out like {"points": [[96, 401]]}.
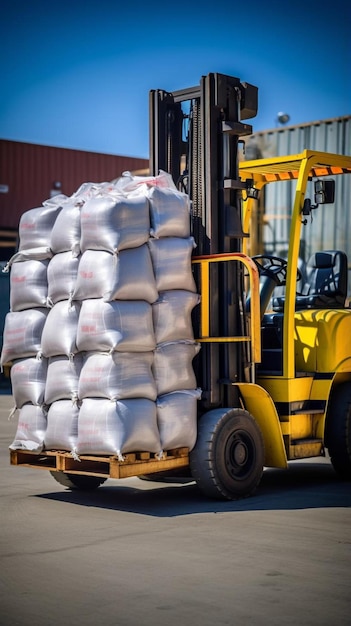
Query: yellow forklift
{"points": [[274, 368], [305, 364]]}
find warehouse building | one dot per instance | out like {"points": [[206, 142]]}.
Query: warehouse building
{"points": [[30, 174]]}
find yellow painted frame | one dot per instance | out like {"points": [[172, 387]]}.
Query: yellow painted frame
{"points": [[255, 338], [261, 406], [299, 167]]}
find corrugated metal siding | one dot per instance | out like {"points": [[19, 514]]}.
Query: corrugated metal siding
{"points": [[29, 171], [332, 135], [331, 226]]}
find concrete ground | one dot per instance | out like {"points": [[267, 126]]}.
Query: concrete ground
{"points": [[142, 553]]}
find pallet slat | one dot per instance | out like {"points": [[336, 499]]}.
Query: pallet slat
{"points": [[134, 464]]}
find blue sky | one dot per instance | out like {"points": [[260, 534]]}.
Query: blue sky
{"points": [[77, 74]]}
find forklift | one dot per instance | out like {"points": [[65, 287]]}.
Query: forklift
{"points": [[275, 371], [274, 368]]}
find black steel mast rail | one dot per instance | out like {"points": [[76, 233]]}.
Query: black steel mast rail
{"points": [[209, 158], [191, 93]]}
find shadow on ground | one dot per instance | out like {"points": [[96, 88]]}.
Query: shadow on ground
{"points": [[302, 486]]}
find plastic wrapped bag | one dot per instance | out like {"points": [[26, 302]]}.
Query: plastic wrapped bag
{"points": [[169, 212], [65, 235], [120, 325], [62, 378], [117, 375], [177, 419], [60, 330], [35, 226], [62, 276], [31, 429], [62, 426], [28, 379], [172, 315], [22, 334], [112, 222], [171, 259], [117, 427], [28, 285], [132, 185], [172, 367], [34, 254], [127, 275], [87, 191]]}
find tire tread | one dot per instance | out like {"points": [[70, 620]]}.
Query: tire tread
{"points": [[202, 460], [78, 482]]}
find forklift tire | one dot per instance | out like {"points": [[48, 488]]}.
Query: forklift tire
{"points": [[338, 431], [77, 481], [227, 460]]}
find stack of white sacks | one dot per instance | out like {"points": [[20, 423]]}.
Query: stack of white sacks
{"points": [[99, 330]]}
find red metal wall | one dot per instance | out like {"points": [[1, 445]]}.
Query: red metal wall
{"points": [[29, 171]]}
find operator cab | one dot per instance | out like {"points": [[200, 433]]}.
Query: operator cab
{"points": [[321, 283]]}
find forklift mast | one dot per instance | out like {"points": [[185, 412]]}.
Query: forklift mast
{"points": [[194, 136]]}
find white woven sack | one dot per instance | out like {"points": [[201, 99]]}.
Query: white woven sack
{"points": [[31, 429], [169, 213], [117, 375], [131, 185], [117, 427], [65, 235], [172, 315], [171, 259], [62, 276], [22, 334], [113, 222], [60, 330], [62, 378], [34, 254], [28, 378], [177, 419], [62, 426], [120, 325], [28, 285], [172, 367], [35, 226], [127, 275]]}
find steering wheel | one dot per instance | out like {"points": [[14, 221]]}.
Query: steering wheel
{"points": [[273, 267]]}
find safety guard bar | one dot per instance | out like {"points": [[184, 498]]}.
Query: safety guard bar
{"points": [[254, 285]]}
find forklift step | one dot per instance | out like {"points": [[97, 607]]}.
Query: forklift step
{"points": [[305, 448], [307, 411]]}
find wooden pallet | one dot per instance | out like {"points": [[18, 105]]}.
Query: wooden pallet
{"points": [[134, 464]]}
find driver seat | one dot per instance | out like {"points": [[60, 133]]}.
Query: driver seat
{"points": [[326, 283]]}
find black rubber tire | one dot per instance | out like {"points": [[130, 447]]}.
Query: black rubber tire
{"points": [[78, 481], [338, 431], [227, 460]]}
